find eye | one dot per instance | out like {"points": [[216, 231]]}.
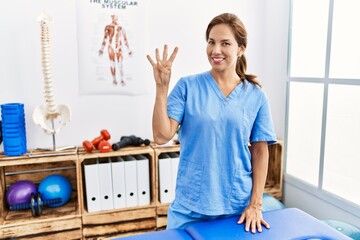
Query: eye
{"points": [[226, 44], [210, 42]]}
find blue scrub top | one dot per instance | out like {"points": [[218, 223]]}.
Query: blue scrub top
{"points": [[215, 171]]}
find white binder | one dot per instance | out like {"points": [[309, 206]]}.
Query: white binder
{"points": [[143, 180], [105, 184], [166, 192], [91, 173], [130, 181], [174, 170], [118, 182]]}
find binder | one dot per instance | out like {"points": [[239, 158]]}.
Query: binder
{"points": [[130, 181], [91, 173], [118, 182], [105, 184], [165, 189], [143, 180], [174, 170]]}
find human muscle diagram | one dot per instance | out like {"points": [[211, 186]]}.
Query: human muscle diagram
{"points": [[111, 48], [115, 41]]}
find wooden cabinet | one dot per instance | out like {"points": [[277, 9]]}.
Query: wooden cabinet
{"points": [[73, 221], [53, 222], [121, 221], [274, 180]]}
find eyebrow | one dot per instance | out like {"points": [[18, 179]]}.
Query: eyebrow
{"points": [[223, 40]]}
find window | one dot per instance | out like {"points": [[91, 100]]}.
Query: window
{"points": [[309, 38], [323, 113], [342, 156], [345, 39], [304, 135]]}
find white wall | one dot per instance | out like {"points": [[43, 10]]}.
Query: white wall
{"points": [[276, 25], [179, 23]]}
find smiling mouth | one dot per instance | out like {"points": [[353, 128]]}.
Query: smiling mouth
{"points": [[217, 60]]}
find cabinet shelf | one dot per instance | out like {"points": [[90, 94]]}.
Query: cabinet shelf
{"points": [[119, 222], [53, 221], [72, 220], [25, 159]]}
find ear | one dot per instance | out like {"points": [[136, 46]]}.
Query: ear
{"points": [[241, 50]]}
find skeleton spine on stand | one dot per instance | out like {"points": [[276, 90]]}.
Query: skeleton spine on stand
{"points": [[51, 118]]}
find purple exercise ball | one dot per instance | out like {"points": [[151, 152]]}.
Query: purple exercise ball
{"points": [[20, 192]]}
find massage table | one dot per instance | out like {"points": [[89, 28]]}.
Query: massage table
{"points": [[285, 224]]}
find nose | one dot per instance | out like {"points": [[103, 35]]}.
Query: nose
{"points": [[216, 49]]}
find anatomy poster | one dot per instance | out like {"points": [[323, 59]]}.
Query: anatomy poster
{"points": [[111, 46]]}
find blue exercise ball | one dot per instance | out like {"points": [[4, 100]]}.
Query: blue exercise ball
{"points": [[345, 228], [53, 187]]}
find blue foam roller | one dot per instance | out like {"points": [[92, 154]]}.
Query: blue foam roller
{"points": [[12, 135], [13, 129], [1, 136], [12, 141], [12, 106], [13, 153]]}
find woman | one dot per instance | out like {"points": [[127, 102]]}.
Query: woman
{"points": [[219, 112]]}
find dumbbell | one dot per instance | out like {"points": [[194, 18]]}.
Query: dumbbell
{"points": [[99, 142], [130, 141], [35, 204]]}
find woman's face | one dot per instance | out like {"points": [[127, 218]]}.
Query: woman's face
{"points": [[222, 49]]}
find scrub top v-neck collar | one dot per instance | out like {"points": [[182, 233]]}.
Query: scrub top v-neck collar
{"points": [[233, 94]]}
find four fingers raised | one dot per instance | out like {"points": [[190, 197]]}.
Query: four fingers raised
{"points": [[164, 55]]}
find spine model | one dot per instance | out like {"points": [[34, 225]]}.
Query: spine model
{"points": [[45, 116], [46, 66]]}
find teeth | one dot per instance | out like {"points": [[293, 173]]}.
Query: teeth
{"points": [[218, 59]]}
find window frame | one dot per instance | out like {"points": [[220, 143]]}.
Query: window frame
{"points": [[317, 191]]}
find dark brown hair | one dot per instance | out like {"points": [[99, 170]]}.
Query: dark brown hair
{"points": [[240, 34]]}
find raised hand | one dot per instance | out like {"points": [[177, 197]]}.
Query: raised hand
{"points": [[162, 66]]}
